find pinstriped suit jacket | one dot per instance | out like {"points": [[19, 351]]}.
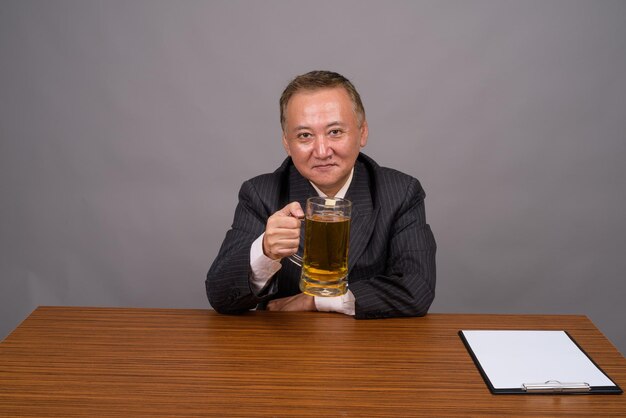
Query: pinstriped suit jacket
{"points": [[392, 249]]}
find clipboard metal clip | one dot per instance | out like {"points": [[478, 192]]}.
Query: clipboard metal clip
{"points": [[554, 386]]}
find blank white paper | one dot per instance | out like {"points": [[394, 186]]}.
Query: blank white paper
{"points": [[512, 358]]}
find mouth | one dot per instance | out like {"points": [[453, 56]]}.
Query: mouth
{"points": [[324, 166]]}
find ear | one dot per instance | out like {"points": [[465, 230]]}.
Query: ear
{"points": [[286, 145], [364, 133]]}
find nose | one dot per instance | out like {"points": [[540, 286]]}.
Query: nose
{"points": [[321, 149]]}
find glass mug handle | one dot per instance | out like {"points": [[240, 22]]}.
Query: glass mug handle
{"points": [[296, 258]]}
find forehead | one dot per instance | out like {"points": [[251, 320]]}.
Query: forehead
{"points": [[309, 103]]}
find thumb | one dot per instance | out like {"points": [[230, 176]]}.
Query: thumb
{"points": [[292, 209]]}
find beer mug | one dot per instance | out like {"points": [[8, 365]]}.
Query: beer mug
{"points": [[326, 241]]}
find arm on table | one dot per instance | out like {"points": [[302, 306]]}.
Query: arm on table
{"points": [[407, 286]]}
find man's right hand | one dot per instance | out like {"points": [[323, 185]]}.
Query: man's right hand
{"points": [[282, 232]]}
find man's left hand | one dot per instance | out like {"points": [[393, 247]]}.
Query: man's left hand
{"points": [[299, 302]]}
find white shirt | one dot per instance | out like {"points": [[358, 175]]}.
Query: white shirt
{"points": [[264, 268]]}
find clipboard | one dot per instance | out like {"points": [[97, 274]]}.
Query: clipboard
{"points": [[535, 362]]}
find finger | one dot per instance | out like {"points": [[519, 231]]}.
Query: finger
{"points": [[284, 248], [279, 247], [292, 209], [275, 235], [282, 242], [285, 252], [279, 304], [281, 222], [275, 305]]}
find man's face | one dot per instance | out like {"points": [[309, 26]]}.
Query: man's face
{"points": [[323, 137]]}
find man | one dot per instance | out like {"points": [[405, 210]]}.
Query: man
{"points": [[392, 249]]}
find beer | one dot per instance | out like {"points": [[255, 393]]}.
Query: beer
{"points": [[325, 265]]}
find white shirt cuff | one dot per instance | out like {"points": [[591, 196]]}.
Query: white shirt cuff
{"points": [[343, 304], [263, 267]]}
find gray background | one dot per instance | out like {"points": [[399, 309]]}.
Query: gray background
{"points": [[127, 127]]}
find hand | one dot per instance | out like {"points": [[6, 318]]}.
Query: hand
{"points": [[282, 232], [299, 302]]}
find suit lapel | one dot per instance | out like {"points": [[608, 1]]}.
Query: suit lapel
{"points": [[363, 213], [300, 189]]}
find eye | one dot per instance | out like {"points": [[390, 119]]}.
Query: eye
{"points": [[304, 135], [335, 132]]}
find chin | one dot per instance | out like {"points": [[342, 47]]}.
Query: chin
{"points": [[324, 179]]}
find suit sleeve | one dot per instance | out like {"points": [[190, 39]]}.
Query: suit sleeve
{"points": [[227, 283], [407, 285]]}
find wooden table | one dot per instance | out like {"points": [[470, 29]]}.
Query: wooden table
{"points": [[157, 362]]}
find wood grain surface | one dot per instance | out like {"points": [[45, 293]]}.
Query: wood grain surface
{"points": [[102, 362]]}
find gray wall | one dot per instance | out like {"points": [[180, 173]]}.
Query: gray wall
{"points": [[127, 127]]}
